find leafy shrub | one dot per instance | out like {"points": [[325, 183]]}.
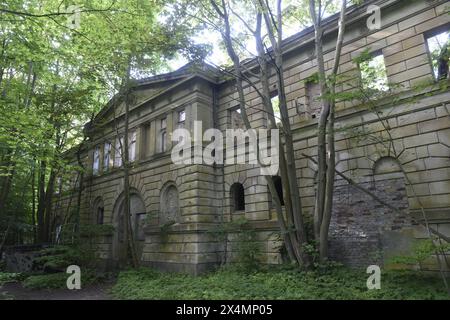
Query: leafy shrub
{"points": [[58, 258]]}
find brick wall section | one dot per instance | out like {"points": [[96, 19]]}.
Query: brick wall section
{"points": [[358, 221]]}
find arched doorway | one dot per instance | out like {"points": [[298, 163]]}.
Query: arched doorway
{"points": [[137, 219]]}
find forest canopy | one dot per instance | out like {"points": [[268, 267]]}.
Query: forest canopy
{"points": [[61, 61]]}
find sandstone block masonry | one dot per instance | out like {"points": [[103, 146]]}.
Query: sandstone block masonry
{"points": [[176, 208]]}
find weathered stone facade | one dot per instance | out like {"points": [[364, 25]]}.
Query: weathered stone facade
{"points": [[196, 198]]}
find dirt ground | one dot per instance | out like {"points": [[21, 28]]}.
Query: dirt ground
{"points": [[15, 291]]}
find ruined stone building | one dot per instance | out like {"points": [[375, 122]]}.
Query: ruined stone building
{"points": [[199, 197]]}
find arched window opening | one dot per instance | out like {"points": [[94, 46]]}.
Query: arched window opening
{"points": [[237, 197], [100, 215], [98, 211]]}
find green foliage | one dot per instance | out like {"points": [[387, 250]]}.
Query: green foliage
{"points": [[60, 257], [46, 281], [314, 78], [440, 52], [93, 231], [58, 280], [248, 251], [276, 283], [421, 251], [82, 251], [10, 277], [6, 277], [245, 244], [53, 79]]}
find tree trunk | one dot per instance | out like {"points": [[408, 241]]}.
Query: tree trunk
{"points": [[130, 247], [41, 201], [325, 135], [33, 200], [80, 189], [49, 206], [291, 227], [10, 163]]}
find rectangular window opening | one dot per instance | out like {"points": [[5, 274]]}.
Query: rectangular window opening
{"points": [[438, 44], [276, 108], [163, 135], [107, 156], [313, 98], [373, 73], [96, 164], [181, 116], [118, 152], [132, 146], [237, 122]]}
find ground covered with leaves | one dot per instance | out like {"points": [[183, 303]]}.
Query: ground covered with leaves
{"points": [[338, 283]]}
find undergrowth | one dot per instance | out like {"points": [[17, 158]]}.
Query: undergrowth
{"points": [[6, 277], [59, 280], [277, 283]]}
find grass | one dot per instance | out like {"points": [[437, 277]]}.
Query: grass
{"points": [[339, 283]]}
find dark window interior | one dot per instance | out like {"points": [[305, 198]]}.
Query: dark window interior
{"points": [[100, 212], [279, 188], [237, 197]]}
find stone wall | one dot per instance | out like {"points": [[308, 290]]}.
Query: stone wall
{"points": [[19, 259], [419, 128], [418, 123]]}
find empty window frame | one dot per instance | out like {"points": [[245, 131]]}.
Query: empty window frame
{"points": [[279, 187], [132, 146], [373, 73], [237, 122], [314, 103], [100, 215], [163, 135], [118, 152], [106, 156], [276, 107], [181, 118], [438, 43], [145, 142], [96, 162], [99, 211], [237, 197]]}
